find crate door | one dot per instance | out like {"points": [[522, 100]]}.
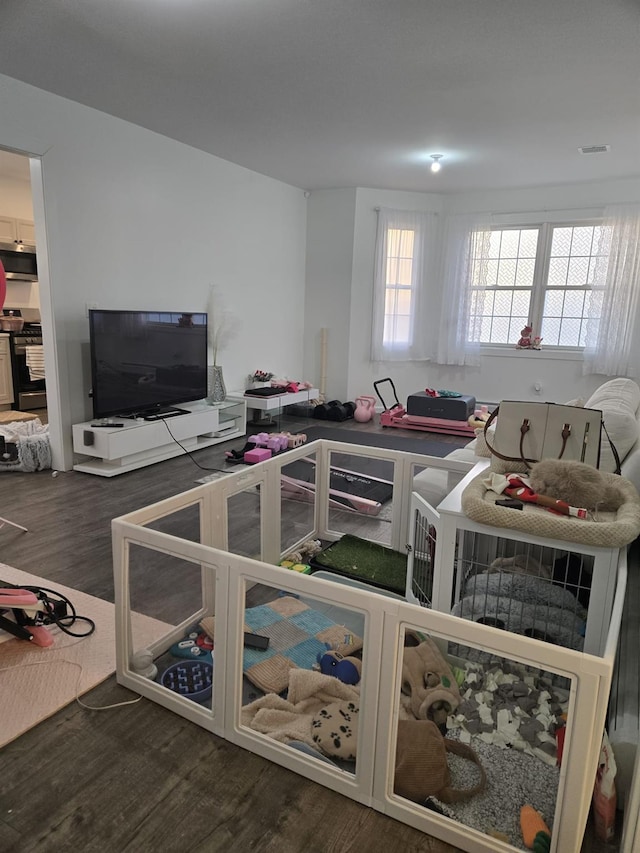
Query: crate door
{"points": [[424, 526]]}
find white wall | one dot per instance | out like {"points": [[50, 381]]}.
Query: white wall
{"points": [[498, 377], [137, 220], [330, 226]]}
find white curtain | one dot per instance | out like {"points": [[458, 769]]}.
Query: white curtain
{"points": [[613, 325], [386, 345], [465, 253]]}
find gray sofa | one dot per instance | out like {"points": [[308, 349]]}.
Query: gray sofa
{"points": [[619, 401]]}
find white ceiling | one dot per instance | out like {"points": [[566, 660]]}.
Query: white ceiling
{"points": [[340, 93]]}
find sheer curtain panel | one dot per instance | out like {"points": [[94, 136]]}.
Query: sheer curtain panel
{"points": [[406, 245], [465, 255], [613, 321]]}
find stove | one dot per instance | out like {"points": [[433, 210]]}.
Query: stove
{"points": [[27, 363]]}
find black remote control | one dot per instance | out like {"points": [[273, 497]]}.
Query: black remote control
{"points": [[510, 503], [255, 641]]}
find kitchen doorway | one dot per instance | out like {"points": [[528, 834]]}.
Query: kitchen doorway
{"points": [[22, 222]]}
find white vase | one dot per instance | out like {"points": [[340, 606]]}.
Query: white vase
{"points": [[216, 388]]}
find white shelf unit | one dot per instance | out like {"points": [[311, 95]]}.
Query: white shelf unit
{"points": [[276, 403], [111, 450]]}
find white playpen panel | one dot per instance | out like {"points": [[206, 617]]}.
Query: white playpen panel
{"points": [[226, 577]]}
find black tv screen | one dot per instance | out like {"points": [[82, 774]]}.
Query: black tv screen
{"points": [[144, 362]]}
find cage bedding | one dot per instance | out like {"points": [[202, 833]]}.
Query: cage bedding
{"points": [[527, 604]]}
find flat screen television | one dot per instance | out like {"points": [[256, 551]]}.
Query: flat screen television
{"points": [[143, 363]]}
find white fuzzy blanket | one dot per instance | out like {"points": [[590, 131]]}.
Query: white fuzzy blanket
{"points": [[290, 719], [27, 446]]}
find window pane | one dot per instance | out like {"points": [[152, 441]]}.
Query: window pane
{"points": [[500, 330], [578, 272], [507, 272], [510, 243], [494, 244], [516, 325], [492, 273], [520, 306], [524, 274], [553, 302], [558, 272], [561, 243], [570, 332], [397, 301], [503, 303], [581, 243], [396, 329], [550, 331], [528, 243], [574, 303]]}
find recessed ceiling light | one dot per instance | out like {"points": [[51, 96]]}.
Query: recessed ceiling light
{"points": [[436, 165]]}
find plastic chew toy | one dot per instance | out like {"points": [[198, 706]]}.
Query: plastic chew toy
{"points": [[345, 669], [523, 492], [535, 832]]}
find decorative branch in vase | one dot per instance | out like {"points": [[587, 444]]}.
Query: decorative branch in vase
{"points": [[222, 326]]}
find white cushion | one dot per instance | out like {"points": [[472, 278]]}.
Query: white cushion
{"points": [[618, 400], [434, 484]]}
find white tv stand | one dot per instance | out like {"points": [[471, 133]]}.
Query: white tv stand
{"points": [[111, 450]]}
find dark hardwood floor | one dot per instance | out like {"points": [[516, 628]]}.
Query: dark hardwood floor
{"points": [[139, 778]]}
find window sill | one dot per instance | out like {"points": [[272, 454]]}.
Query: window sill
{"points": [[545, 354]]}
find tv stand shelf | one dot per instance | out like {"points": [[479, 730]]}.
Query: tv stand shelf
{"points": [[135, 443]]}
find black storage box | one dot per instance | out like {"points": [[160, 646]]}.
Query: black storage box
{"points": [[423, 405]]}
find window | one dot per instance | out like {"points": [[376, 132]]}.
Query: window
{"points": [[543, 276], [398, 296], [406, 249]]}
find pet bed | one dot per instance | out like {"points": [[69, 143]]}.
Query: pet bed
{"points": [[297, 634], [25, 446], [610, 530], [524, 604]]}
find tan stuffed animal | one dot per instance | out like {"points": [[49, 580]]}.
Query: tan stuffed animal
{"points": [[427, 680], [575, 483]]}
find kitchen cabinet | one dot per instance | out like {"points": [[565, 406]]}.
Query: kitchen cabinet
{"points": [[6, 385], [25, 231], [8, 230], [17, 229]]}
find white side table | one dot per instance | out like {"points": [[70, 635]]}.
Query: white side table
{"points": [[275, 403]]}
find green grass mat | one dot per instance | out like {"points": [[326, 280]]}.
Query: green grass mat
{"points": [[365, 561]]}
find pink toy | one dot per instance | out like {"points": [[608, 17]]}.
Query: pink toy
{"points": [[276, 443], [295, 440], [260, 439], [259, 454]]}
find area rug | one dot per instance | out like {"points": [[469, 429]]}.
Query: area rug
{"points": [[297, 636], [36, 682], [393, 439]]}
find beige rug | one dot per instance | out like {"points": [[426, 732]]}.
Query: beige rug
{"points": [[36, 682]]}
